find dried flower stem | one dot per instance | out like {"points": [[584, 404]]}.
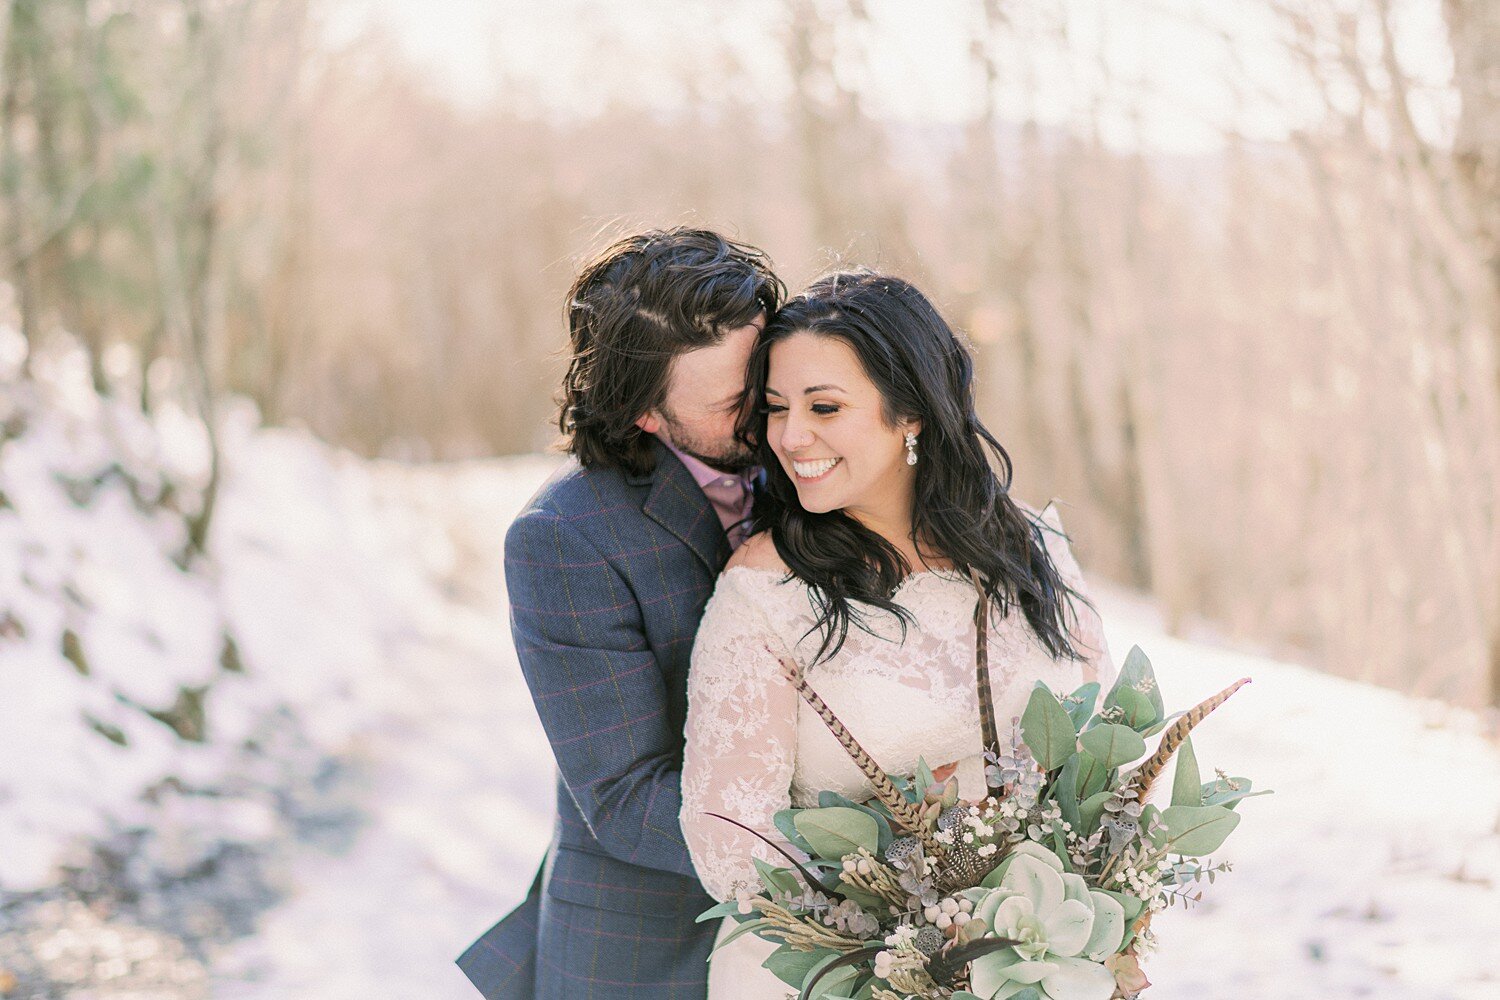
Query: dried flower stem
{"points": [[912, 981], [882, 880], [801, 933]]}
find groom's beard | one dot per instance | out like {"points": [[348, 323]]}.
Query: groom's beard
{"points": [[730, 456]]}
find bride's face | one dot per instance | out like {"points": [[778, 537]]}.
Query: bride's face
{"points": [[826, 423]]}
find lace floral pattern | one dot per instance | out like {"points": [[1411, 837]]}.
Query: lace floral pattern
{"points": [[753, 748]]}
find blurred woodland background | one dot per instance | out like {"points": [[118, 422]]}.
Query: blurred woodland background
{"points": [[1264, 373]]}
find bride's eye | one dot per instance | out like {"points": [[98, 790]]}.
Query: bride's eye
{"points": [[825, 408], [772, 408]]}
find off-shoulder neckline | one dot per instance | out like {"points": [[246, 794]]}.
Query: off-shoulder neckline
{"points": [[949, 575]]}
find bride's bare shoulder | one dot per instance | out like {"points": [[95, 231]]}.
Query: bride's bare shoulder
{"points": [[758, 552]]}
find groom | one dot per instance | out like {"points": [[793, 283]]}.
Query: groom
{"points": [[608, 569]]}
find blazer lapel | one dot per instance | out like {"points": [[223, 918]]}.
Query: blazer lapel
{"points": [[678, 504]]}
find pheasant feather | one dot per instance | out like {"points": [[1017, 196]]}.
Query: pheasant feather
{"points": [[1148, 772], [990, 730], [906, 813]]}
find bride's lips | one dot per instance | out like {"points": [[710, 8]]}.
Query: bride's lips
{"points": [[815, 470]]}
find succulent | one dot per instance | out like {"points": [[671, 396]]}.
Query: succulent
{"points": [[1065, 930]]}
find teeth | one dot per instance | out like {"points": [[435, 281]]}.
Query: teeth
{"points": [[812, 470]]}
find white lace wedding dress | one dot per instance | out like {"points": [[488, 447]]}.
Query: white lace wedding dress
{"points": [[753, 748]]}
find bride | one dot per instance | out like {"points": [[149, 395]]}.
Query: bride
{"points": [[880, 500]]}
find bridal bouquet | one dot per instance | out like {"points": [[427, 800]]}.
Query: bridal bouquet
{"points": [[1044, 890]]}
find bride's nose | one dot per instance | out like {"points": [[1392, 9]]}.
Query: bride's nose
{"points": [[795, 434]]}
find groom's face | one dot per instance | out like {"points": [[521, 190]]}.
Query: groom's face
{"points": [[704, 389]]}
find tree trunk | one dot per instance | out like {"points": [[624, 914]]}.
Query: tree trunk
{"points": [[1474, 35]]}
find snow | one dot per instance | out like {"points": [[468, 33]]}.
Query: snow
{"points": [[367, 599]]}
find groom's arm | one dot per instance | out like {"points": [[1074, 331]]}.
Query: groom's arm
{"points": [[598, 690]]}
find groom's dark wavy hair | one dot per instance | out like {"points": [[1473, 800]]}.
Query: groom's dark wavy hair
{"points": [[963, 508], [633, 308]]}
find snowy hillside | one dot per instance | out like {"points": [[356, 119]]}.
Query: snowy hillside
{"points": [[371, 764]]}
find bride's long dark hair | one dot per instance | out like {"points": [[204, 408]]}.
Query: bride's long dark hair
{"points": [[963, 510]]}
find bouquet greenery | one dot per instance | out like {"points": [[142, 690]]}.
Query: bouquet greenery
{"points": [[1044, 890]]}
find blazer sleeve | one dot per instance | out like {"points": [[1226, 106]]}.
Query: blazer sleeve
{"points": [[598, 690]]}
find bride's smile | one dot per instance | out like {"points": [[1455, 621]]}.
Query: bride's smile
{"points": [[814, 470]]}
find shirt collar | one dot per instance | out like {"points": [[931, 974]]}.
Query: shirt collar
{"points": [[703, 473]]}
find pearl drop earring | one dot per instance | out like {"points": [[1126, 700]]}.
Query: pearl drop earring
{"points": [[911, 448]]}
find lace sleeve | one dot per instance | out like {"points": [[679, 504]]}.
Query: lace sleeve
{"points": [[1088, 632], [740, 738]]}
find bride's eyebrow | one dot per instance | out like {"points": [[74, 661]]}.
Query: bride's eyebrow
{"points": [[809, 390]]}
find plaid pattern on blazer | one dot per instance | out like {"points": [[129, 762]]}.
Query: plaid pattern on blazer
{"points": [[608, 575]]}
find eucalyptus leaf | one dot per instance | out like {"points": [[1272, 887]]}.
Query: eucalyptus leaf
{"points": [[836, 831], [1137, 711], [1136, 674], [867, 900], [1152, 730], [923, 778], [1089, 811], [819, 986], [1234, 802], [1114, 745], [1195, 831], [728, 908], [1227, 792], [1187, 788], [1081, 704], [1065, 792], [1092, 775], [831, 987], [882, 820], [792, 967], [748, 927], [782, 880], [1150, 815], [783, 821], [1048, 730]]}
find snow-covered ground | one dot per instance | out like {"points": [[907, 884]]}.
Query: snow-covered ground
{"points": [[366, 602], [1371, 872]]}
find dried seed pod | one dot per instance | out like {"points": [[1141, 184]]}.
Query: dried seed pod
{"points": [[929, 940]]}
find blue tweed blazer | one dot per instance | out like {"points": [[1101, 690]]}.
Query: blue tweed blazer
{"points": [[608, 574]]}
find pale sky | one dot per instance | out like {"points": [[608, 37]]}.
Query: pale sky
{"points": [[1165, 59]]}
